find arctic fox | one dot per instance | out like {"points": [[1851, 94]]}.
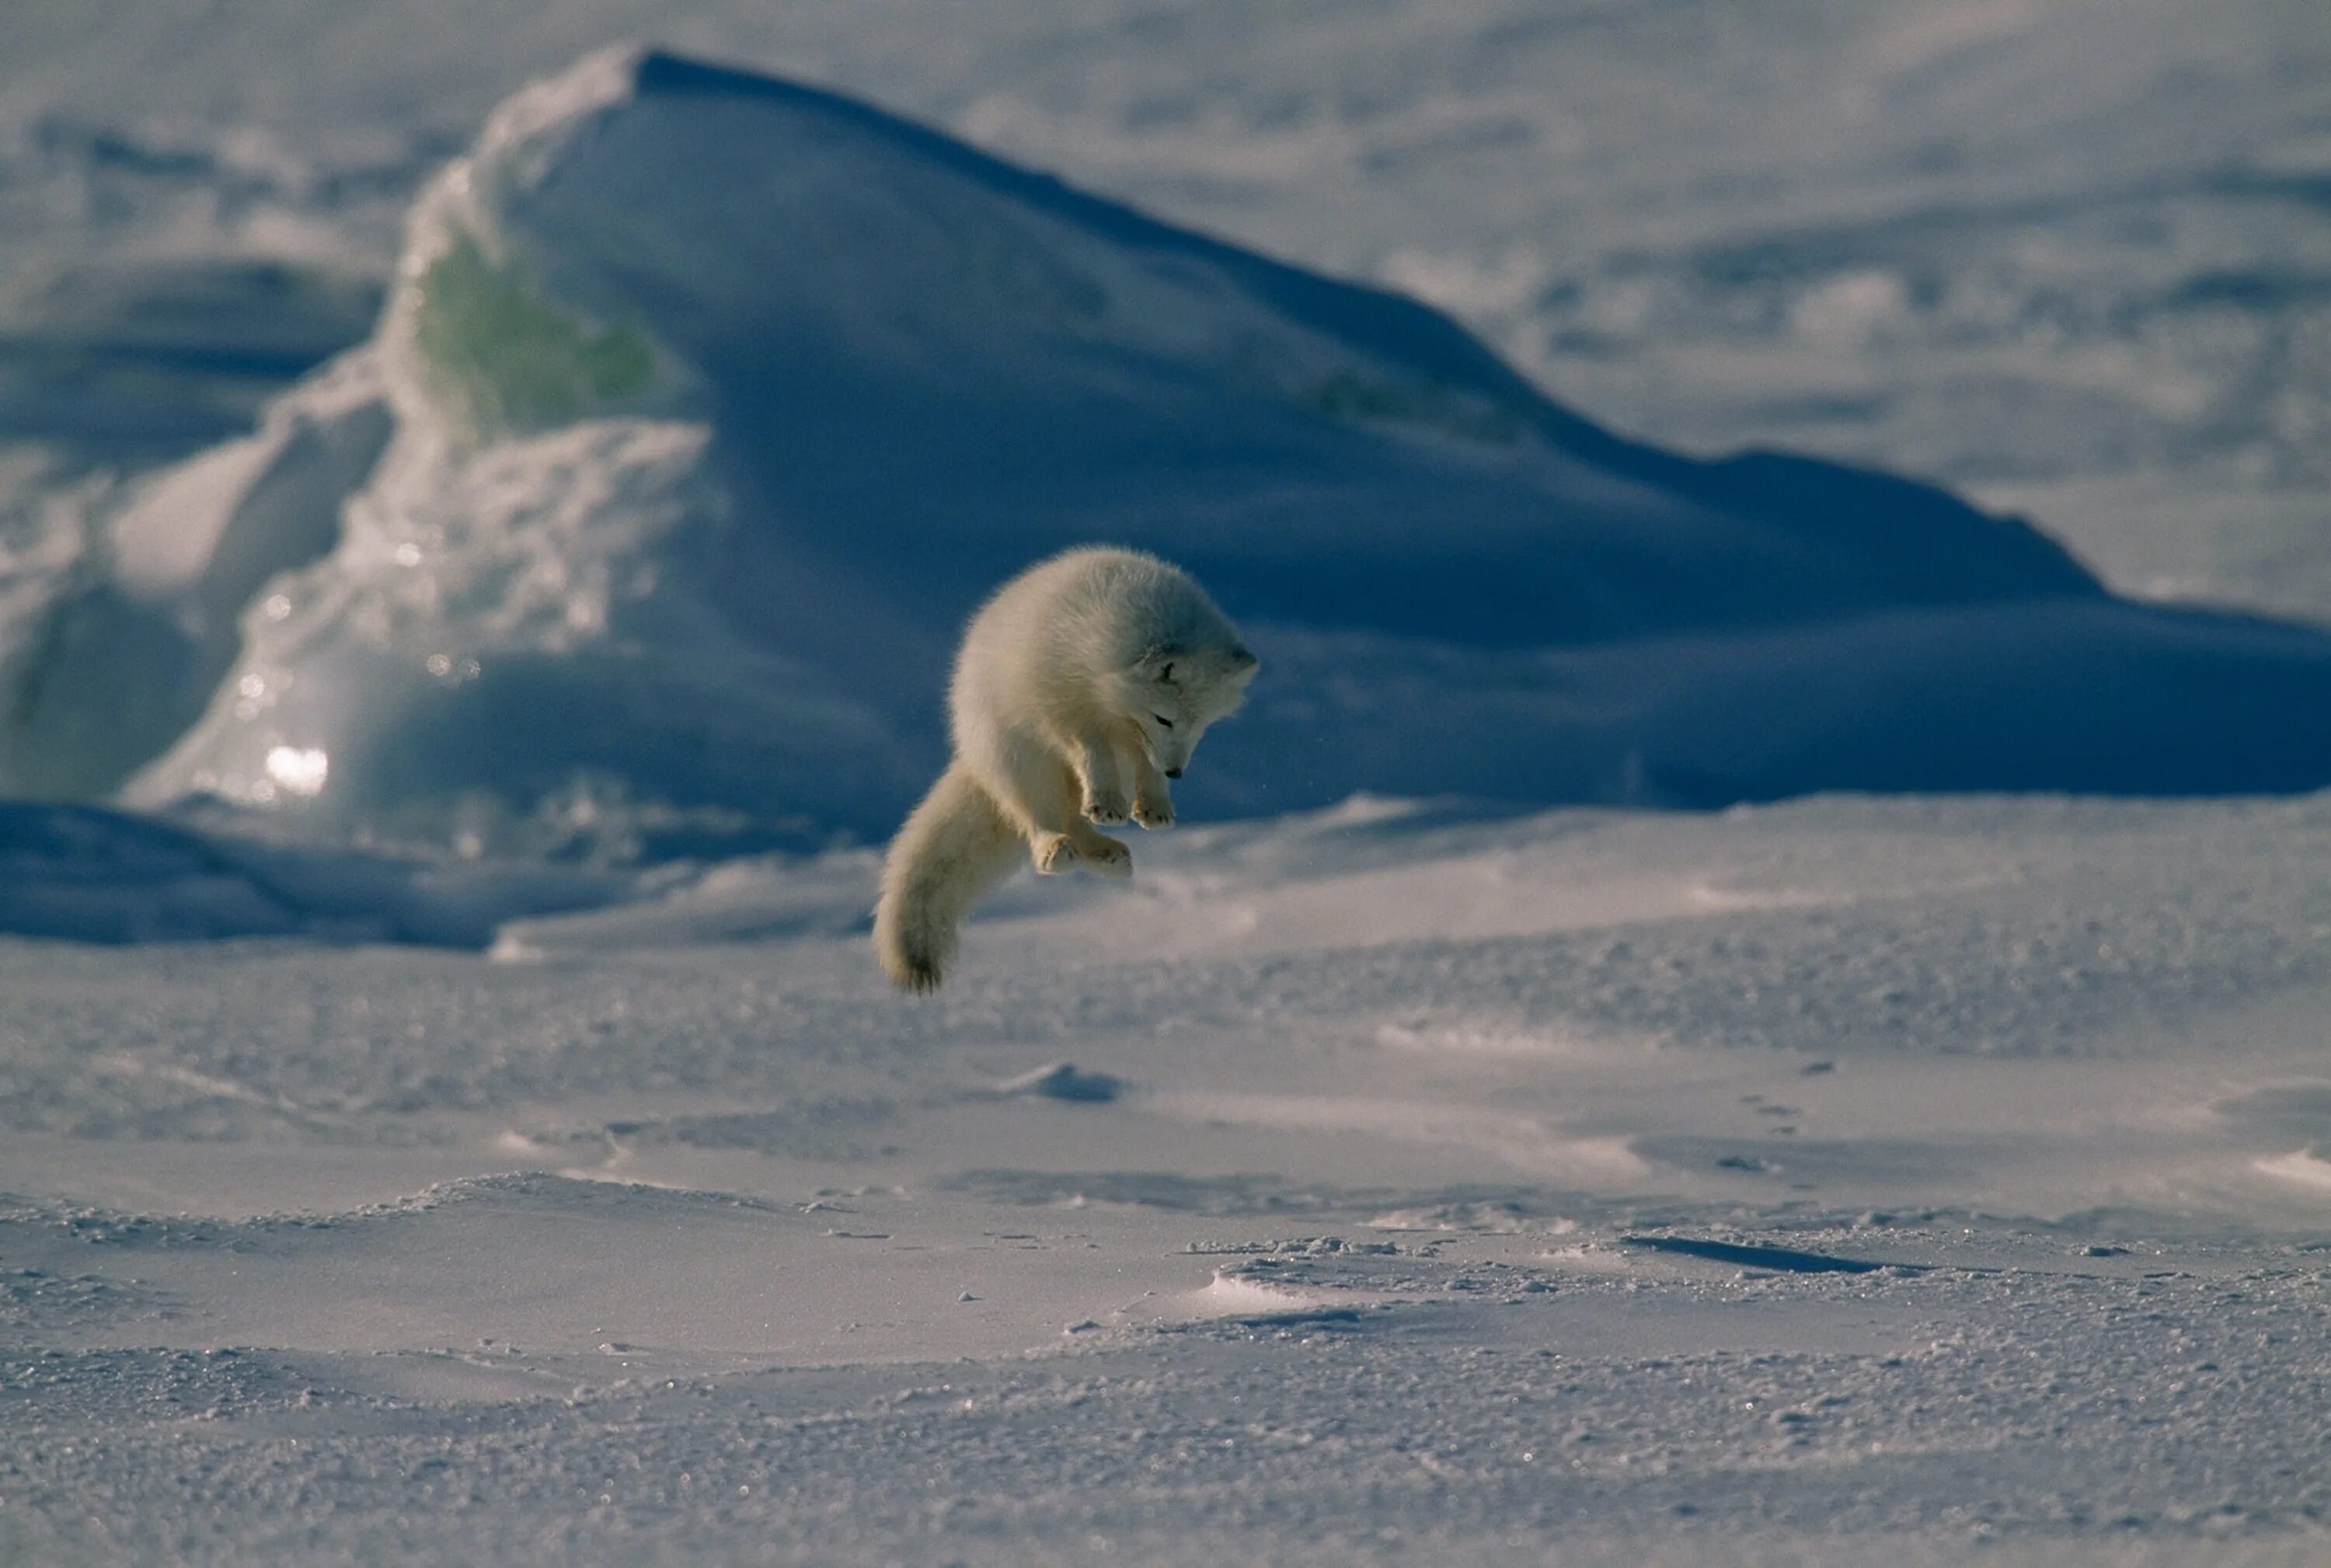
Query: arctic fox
{"points": [[1082, 686]]}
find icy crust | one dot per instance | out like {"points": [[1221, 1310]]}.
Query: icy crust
{"points": [[110, 651], [580, 568], [719, 402]]}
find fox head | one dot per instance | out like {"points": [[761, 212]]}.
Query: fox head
{"points": [[1171, 694]]}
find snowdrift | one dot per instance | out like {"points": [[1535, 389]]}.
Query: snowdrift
{"points": [[708, 406], [80, 873]]}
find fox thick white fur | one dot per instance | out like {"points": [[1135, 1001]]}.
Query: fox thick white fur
{"points": [[1082, 686]]}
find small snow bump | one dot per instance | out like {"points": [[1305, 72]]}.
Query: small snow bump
{"points": [[1062, 1081]]}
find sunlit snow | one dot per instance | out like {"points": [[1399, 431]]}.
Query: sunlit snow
{"points": [[475, 587]]}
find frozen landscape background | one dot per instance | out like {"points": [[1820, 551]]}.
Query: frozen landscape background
{"points": [[453, 1114]]}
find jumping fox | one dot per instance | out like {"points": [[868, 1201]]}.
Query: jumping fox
{"points": [[1082, 686]]}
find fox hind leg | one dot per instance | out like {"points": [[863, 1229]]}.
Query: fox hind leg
{"points": [[1039, 791], [1052, 853], [1104, 854]]}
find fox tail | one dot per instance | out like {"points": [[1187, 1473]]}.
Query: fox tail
{"points": [[954, 849]]}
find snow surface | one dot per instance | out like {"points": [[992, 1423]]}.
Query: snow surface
{"points": [[707, 406], [1924, 1179], [1944, 1179]]}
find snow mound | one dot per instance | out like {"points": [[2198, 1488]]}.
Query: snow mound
{"points": [[93, 876], [107, 656], [82, 874], [708, 406]]}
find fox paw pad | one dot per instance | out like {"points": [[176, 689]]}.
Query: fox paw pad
{"points": [[1054, 855], [1107, 809], [1108, 858], [1154, 814]]}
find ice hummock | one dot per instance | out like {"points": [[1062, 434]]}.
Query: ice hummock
{"points": [[708, 405]]}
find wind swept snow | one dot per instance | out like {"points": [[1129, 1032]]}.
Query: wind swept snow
{"points": [[1939, 1178]]}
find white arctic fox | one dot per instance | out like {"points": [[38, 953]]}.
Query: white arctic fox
{"points": [[1083, 687]]}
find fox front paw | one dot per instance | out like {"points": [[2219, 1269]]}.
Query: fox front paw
{"points": [[1152, 814], [1105, 807], [1052, 854]]}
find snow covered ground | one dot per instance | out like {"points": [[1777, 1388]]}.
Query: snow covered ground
{"points": [[1943, 1179], [526, 1165]]}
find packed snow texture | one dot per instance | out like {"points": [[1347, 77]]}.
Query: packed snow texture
{"points": [[706, 406], [1938, 1179]]}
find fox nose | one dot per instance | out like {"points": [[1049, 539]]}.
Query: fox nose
{"points": [[1173, 773]]}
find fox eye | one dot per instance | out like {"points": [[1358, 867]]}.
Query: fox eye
{"points": [[1163, 719]]}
